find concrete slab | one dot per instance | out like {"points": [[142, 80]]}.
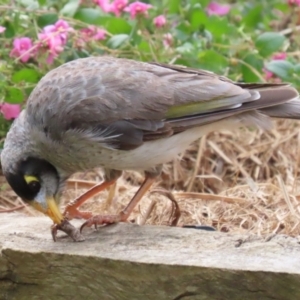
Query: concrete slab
{"points": [[126, 261]]}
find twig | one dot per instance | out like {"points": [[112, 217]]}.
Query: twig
{"points": [[147, 213], [176, 210], [197, 164], [13, 209], [204, 196], [289, 30]]}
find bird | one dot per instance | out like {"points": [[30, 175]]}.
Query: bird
{"points": [[121, 114]]}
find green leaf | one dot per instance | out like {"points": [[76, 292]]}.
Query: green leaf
{"points": [[212, 61], [182, 33], [174, 6], [219, 27], [75, 54], [283, 7], [297, 69], [46, 19], [117, 26], [197, 19], [185, 48], [13, 95], [281, 68], [2, 78], [269, 42], [70, 8], [10, 30], [256, 62], [16, 20], [27, 75], [203, 3], [117, 40], [42, 2], [82, 53], [89, 15], [187, 61], [144, 47], [253, 17]]}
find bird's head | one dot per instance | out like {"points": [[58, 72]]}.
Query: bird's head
{"points": [[37, 182]]}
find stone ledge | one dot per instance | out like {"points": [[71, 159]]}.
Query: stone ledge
{"points": [[133, 262]]}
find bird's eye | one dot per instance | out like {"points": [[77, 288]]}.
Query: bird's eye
{"points": [[33, 183], [34, 186]]}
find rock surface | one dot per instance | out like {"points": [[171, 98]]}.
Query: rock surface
{"points": [[133, 262]]}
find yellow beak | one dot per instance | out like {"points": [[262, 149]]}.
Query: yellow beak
{"points": [[52, 210]]}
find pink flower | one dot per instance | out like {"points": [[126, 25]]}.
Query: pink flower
{"points": [[137, 8], [63, 28], [10, 111], [268, 74], [99, 35], [57, 31], [104, 5], [280, 55], [54, 38], [214, 8], [92, 33], [293, 2], [21, 48], [118, 6], [53, 43], [2, 29], [160, 21]]}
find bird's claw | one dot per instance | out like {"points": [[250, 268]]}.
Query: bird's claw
{"points": [[54, 229], [69, 229], [101, 220]]}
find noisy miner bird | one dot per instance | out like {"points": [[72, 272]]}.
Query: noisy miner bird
{"points": [[121, 114]]}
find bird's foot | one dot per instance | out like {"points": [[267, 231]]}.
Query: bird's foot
{"points": [[102, 220], [69, 229]]}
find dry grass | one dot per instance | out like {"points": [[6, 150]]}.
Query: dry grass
{"points": [[242, 181]]}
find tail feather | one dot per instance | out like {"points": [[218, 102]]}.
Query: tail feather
{"points": [[289, 110], [281, 101], [273, 97]]}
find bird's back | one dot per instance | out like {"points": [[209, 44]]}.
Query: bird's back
{"points": [[104, 106]]}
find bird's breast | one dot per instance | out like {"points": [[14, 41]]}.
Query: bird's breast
{"points": [[79, 155]]}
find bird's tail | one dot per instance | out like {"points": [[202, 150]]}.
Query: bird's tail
{"points": [[281, 101], [274, 100], [289, 110], [277, 101]]}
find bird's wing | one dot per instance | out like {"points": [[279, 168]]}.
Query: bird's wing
{"points": [[129, 102]]}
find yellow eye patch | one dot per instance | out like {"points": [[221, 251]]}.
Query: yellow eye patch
{"points": [[30, 178]]}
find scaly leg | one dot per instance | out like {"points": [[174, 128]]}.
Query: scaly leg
{"points": [[110, 179], [123, 216], [71, 211]]}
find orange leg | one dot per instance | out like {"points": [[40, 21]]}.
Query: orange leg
{"points": [[123, 216], [71, 211]]}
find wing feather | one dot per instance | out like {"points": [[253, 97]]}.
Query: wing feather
{"points": [[135, 102]]}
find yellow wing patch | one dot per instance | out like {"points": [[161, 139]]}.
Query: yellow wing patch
{"points": [[194, 108]]}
